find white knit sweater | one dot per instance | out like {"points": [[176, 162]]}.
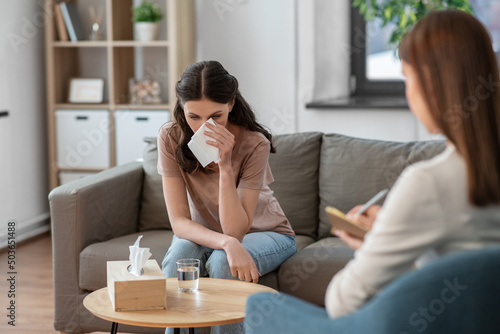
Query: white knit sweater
{"points": [[426, 212]]}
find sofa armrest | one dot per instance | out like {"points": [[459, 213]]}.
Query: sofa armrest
{"points": [[99, 207], [93, 209]]}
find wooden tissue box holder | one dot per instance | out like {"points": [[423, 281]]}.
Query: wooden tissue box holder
{"points": [[129, 292]]}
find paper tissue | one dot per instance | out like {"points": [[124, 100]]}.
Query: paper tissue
{"points": [[203, 152], [137, 284], [138, 257]]}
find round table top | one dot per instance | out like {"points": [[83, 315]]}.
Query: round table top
{"points": [[217, 302]]}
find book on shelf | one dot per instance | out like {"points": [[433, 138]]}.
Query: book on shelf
{"points": [[72, 21], [62, 33]]}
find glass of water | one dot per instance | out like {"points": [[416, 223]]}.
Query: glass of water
{"points": [[188, 274]]}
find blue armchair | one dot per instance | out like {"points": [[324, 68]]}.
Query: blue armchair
{"points": [[458, 293]]}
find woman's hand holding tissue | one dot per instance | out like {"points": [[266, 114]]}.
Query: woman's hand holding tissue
{"points": [[223, 139]]}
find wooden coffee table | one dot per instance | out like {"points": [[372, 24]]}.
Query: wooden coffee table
{"points": [[217, 302]]}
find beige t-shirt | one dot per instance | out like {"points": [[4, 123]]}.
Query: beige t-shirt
{"points": [[251, 170]]}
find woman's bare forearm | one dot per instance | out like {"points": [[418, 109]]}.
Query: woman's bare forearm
{"points": [[233, 217], [188, 229]]}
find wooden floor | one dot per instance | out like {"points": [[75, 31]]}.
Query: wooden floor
{"points": [[34, 299]]}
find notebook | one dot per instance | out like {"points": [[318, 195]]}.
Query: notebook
{"points": [[339, 221]]}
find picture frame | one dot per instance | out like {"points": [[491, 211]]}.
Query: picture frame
{"points": [[86, 90]]}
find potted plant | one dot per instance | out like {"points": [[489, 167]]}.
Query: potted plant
{"points": [[146, 18], [404, 13]]}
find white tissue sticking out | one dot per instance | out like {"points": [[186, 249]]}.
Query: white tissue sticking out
{"points": [[202, 151], [138, 257]]}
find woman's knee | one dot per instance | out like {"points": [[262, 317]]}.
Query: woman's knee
{"points": [[179, 249], [218, 266]]}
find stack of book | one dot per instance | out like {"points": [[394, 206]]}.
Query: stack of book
{"points": [[68, 23]]}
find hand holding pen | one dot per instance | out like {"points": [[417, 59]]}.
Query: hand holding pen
{"points": [[367, 205], [365, 215]]}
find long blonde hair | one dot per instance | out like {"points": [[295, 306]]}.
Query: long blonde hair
{"points": [[452, 54]]}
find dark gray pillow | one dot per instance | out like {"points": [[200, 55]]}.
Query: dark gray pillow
{"points": [[153, 212], [352, 170], [295, 171]]}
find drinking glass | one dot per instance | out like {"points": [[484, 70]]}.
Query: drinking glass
{"points": [[188, 274]]}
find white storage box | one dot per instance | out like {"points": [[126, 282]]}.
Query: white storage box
{"points": [[130, 129], [82, 138]]}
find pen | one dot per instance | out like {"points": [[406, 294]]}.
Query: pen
{"points": [[372, 201]]}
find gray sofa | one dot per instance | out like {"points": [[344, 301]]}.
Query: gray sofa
{"points": [[95, 219]]}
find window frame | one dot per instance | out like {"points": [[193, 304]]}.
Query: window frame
{"points": [[360, 85]]}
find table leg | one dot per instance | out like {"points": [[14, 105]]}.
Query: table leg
{"points": [[178, 330], [114, 328]]}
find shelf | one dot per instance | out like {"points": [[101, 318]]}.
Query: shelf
{"points": [[81, 44], [142, 106], [137, 44], [361, 102], [116, 58], [97, 44], [96, 106], [162, 106]]}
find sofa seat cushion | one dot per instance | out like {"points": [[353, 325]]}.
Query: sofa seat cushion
{"points": [[352, 170], [295, 170], [303, 241], [271, 279], [307, 274], [94, 257]]}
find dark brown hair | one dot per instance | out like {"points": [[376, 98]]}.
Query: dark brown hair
{"points": [[452, 55], [210, 80]]}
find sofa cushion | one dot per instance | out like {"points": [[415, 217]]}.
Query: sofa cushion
{"points": [[303, 241], [153, 212], [306, 275], [352, 170], [295, 171], [94, 257]]}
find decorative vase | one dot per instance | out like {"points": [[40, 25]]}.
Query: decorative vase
{"points": [[145, 31]]}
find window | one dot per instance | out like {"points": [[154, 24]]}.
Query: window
{"points": [[375, 67], [488, 12]]}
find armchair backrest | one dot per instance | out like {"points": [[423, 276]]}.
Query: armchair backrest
{"points": [[454, 294]]}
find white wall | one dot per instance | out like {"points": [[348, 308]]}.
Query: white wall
{"points": [[255, 41], [269, 46], [324, 29], [23, 152]]}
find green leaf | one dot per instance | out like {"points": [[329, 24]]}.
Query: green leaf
{"points": [[362, 8], [388, 13], [403, 21], [147, 11], [413, 16], [404, 13]]}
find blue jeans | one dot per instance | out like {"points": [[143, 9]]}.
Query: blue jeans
{"points": [[268, 249]]}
